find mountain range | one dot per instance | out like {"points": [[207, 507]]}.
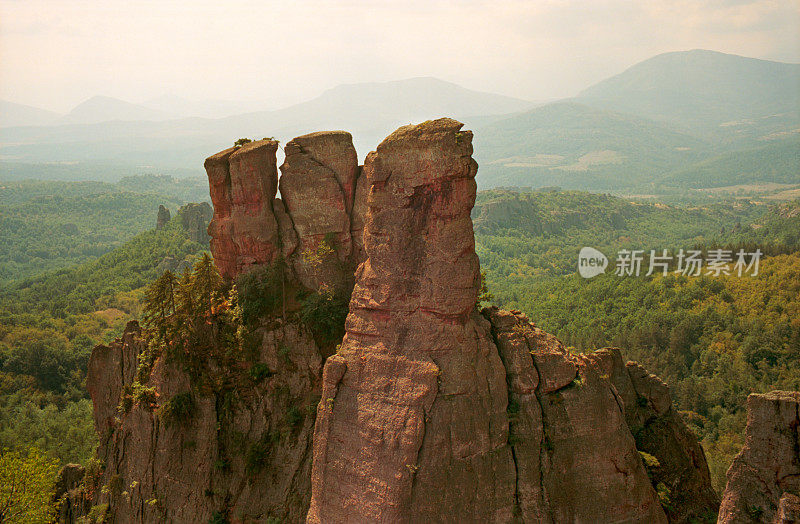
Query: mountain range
{"points": [[679, 119]]}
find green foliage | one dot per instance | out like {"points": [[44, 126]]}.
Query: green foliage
{"points": [[97, 514], [191, 322], [325, 312], [178, 410], [64, 431], [144, 396], [27, 482], [649, 460], [261, 292], [242, 141], [259, 372], [664, 495], [219, 517], [484, 296]]}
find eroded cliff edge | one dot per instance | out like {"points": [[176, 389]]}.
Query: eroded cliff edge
{"points": [[764, 479], [428, 410]]}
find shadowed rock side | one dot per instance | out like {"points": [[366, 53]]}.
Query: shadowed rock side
{"points": [[764, 479], [163, 217], [237, 453], [195, 219]]}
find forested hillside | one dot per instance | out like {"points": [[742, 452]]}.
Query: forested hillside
{"points": [[46, 225], [48, 327], [713, 340]]}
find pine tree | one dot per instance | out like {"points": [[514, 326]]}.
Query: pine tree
{"points": [[206, 286], [159, 306]]}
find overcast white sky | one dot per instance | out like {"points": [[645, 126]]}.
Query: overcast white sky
{"points": [[56, 53]]}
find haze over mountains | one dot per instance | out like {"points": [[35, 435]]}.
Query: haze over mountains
{"points": [[681, 119]]}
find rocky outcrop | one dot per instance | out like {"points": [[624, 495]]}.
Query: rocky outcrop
{"points": [[315, 226], [162, 218], [428, 410], [680, 474], [243, 451], [70, 498], [243, 181], [432, 411], [764, 479], [317, 185], [195, 219]]}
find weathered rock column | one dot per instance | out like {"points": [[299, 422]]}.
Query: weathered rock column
{"points": [[243, 182], [412, 422], [318, 180]]}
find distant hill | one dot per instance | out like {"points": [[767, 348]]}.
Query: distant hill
{"points": [[181, 107], [712, 93], [575, 146], [694, 119], [370, 111], [105, 109], [677, 120], [136, 138], [771, 162], [12, 114]]}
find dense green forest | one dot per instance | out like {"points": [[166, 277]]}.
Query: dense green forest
{"points": [[47, 225], [523, 236], [48, 327]]}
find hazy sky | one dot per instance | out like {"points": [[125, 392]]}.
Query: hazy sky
{"points": [[56, 53]]}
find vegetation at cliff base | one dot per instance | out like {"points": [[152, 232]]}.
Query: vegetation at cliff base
{"points": [[50, 322], [27, 482]]}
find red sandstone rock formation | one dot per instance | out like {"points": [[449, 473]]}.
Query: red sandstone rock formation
{"points": [[430, 410], [317, 184], [315, 226], [243, 181], [764, 479]]}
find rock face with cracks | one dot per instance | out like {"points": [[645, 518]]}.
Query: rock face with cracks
{"points": [[432, 411], [764, 479], [429, 410]]}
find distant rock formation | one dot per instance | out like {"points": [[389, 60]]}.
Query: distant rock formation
{"points": [[162, 218], [70, 499], [195, 219], [764, 479], [429, 410]]}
